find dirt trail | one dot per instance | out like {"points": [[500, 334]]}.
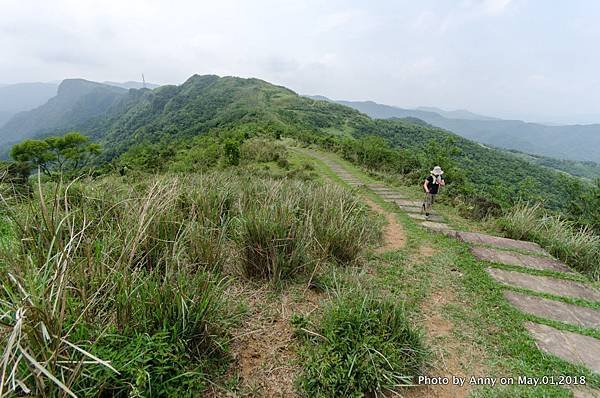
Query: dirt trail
{"points": [[394, 235], [450, 357], [263, 348]]}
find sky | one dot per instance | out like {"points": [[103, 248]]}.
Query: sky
{"points": [[536, 60]]}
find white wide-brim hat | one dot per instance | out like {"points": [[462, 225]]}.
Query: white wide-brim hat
{"points": [[437, 170]]}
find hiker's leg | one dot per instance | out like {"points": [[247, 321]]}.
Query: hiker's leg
{"points": [[428, 203]]}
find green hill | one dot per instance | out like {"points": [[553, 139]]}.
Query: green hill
{"points": [[575, 142], [76, 102], [170, 116]]}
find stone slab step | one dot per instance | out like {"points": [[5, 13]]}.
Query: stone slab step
{"points": [[432, 217], [545, 284], [584, 392], [385, 190], [393, 195], [505, 243], [377, 186], [518, 259], [412, 209], [392, 198], [436, 226], [555, 310], [572, 347], [406, 202]]}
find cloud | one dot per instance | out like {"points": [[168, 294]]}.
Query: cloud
{"points": [[495, 7], [476, 54]]}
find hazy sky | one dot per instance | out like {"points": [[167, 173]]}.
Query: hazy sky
{"points": [[520, 58]]}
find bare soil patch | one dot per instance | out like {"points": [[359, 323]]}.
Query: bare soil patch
{"points": [[263, 348], [393, 233]]}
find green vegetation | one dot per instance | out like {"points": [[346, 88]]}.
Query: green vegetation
{"points": [[132, 270], [577, 246], [56, 155], [360, 344], [585, 169], [139, 278], [158, 129], [471, 327]]}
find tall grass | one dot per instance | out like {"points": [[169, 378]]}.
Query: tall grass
{"points": [[92, 262], [360, 345], [95, 270], [578, 247]]}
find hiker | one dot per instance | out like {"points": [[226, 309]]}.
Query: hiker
{"points": [[432, 185]]}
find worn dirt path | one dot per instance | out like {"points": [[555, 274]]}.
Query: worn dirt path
{"points": [[394, 237]]}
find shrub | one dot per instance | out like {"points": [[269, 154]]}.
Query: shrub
{"points": [[577, 246], [260, 149], [360, 345]]}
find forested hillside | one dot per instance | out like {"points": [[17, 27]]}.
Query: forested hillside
{"points": [[76, 102], [575, 142], [162, 123]]}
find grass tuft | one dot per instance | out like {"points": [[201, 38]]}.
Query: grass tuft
{"points": [[360, 345]]}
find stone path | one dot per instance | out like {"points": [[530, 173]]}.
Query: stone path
{"points": [[555, 310], [504, 243], [518, 259], [405, 202], [436, 226], [545, 284], [423, 217], [571, 347]]}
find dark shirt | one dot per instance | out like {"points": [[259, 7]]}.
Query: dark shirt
{"points": [[432, 185]]}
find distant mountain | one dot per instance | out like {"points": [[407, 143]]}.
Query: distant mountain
{"points": [[457, 114], [574, 142], [132, 84], [24, 96], [20, 97], [76, 102], [4, 117], [122, 120]]}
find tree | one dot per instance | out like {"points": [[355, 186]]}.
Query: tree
{"points": [[232, 152], [56, 155]]}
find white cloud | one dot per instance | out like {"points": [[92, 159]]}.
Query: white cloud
{"points": [[455, 54]]}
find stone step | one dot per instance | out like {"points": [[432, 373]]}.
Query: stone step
{"points": [[391, 198], [406, 202], [571, 347], [555, 310], [518, 259], [545, 284], [384, 190], [483, 239], [584, 392], [436, 226], [412, 209], [423, 217], [389, 194], [376, 186]]}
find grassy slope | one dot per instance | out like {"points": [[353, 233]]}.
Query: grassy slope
{"points": [[483, 323]]}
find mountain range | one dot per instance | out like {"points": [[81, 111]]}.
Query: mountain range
{"points": [[170, 117], [574, 142], [20, 97]]}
